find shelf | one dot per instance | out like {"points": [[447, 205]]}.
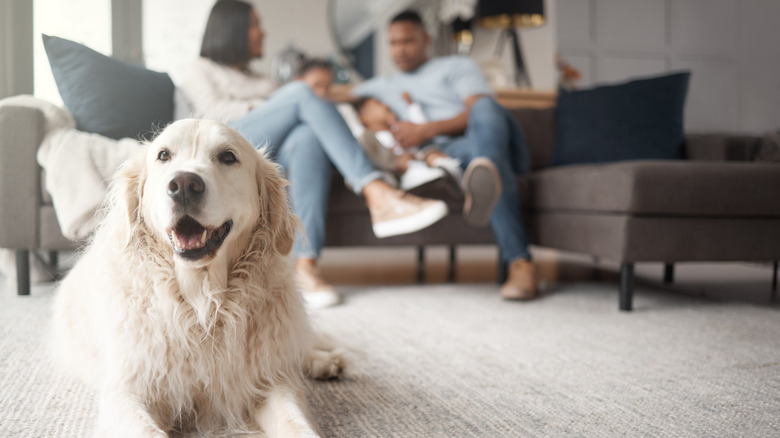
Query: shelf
{"points": [[508, 97]]}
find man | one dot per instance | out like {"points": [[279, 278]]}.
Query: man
{"points": [[467, 124]]}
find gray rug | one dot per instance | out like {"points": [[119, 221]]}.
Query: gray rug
{"points": [[456, 361]]}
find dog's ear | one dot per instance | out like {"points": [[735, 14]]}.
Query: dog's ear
{"points": [[275, 205], [128, 188]]}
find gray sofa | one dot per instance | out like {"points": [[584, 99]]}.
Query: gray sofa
{"points": [[716, 205], [28, 223]]}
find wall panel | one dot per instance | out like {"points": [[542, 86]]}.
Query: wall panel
{"points": [[732, 48]]}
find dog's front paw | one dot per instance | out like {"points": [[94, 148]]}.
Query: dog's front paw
{"points": [[326, 365]]}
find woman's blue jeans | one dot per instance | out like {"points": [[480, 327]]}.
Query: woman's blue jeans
{"points": [[305, 134], [493, 133]]}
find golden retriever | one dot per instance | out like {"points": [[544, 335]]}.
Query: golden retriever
{"points": [[183, 312]]}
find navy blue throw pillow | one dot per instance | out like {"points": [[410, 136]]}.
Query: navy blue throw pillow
{"points": [[640, 119], [108, 96]]}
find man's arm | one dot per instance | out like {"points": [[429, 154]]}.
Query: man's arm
{"points": [[409, 134]]}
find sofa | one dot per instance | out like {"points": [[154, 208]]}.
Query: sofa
{"points": [[28, 223], [715, 204]]}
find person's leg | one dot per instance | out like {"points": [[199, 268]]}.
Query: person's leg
{"points": [[296, 104], [310, 173], [489, 135], [494, 135]]}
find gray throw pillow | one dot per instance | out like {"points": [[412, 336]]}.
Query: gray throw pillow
{"points": [[108, 96]]}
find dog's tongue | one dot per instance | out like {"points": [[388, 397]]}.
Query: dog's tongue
{"points": [[189, 234], [190, 241]]}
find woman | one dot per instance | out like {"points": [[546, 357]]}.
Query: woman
{"points": [[303, 133]]}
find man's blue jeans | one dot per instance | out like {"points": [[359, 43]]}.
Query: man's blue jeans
{"points": [[493, 133], [305, 134]]}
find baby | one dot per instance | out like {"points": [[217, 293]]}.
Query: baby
{"points": [[415, 167]]}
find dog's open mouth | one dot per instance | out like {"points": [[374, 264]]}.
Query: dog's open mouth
{"points": [[193, 241]]}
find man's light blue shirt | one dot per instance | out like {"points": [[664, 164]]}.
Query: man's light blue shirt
{"points": [[441, 87]]}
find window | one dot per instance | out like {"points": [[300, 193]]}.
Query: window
{"points": [[85, 21]]}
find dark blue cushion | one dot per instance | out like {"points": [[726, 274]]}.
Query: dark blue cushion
{"points": [[107, 96], [641, 119]]}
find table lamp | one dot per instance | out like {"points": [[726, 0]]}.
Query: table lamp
{"points": [[509, 16]]}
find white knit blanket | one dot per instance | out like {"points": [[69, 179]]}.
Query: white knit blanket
{"points": [[78, 167]]}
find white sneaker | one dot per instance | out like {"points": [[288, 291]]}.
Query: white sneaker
{"points": [[317, 292], [320, 299], [403, 213], [419, 174]]}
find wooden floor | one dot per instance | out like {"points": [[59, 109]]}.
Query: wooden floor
{"points": [[473, 264], [741, 281]]}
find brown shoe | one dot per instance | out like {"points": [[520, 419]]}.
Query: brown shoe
{"points": [[317, 292], [482, 187], [521, 282], [403, 213]]}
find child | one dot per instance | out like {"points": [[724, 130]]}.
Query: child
{"points": [[416, 167], [317, 74], [377, 119]]}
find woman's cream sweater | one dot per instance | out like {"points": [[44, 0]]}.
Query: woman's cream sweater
{"points": [[219, 92]]}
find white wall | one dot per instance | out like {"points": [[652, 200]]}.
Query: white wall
{"points": [[730, 46], [172, 38], [302, 22], [172, 32]]}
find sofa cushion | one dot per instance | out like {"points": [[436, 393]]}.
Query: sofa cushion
{"points": [[656, 187], [641, 119], [107, 96], [721, 147], [538, 126]]}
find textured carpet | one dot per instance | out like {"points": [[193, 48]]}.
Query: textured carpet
{"points": [[456, 361]]}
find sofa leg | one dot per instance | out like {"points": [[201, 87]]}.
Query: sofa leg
{"points": [[668, 273], [501, 269], [774, 282], [54, 259], [595, 272], [23, 272], [453, 262], [420, 264], [626, 286]]}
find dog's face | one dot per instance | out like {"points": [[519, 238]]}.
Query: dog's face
{"points": [[202, 187]]}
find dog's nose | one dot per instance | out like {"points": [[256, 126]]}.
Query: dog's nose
{"points": [[186, 188]]}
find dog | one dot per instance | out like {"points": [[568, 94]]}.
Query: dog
{"points": [[182, 311]]}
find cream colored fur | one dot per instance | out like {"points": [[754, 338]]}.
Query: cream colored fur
{"points": [[218, 344]]}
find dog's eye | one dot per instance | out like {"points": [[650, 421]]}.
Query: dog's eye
{"points": [[164, 155], [228, 157]]}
